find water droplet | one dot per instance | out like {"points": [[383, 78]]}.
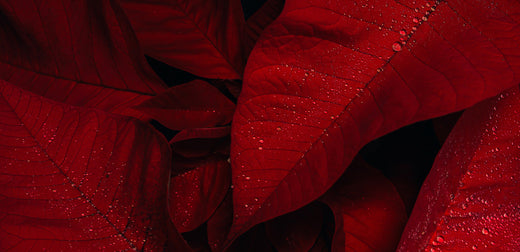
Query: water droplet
{"points": [[278, 128], [261, 141], [485, 231], [439, 239], [260, 148], [474, 247], [415, 20], [397, 47], [402, 32], [248, 178]]}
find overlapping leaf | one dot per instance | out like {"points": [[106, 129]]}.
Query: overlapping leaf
{"points": [[470, 200], [196, 194], [329, 76], [203, 37], [196, 104], [369, 213], [77, 179], [83, 53]]}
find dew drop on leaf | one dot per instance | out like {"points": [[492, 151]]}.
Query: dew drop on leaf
{"points": [[397, 47]]}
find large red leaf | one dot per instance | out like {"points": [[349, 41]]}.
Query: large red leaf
{"points": [[83, 53], [203, 37], [196, 104], [329, 76], [470, 200], [196, 194], [369, 213], [76, 178]]}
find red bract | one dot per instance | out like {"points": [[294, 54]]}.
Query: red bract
{"points": [[269, 173], [369, 213], [203, 37], [297, 231], [195, 195], [192, 105], [329, 76], [470, 200], [76, 179], [83, 53]]}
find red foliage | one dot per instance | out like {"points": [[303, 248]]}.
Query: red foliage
{"points": [[81, 167]]}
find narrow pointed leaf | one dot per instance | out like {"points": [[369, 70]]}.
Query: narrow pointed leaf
{"points": [[83, 53], [327, 77], [470, 200], [76, 178], [203, 37]]}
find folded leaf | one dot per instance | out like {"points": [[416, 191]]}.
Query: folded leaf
{"points": [[83, 53], [77, 179], [369, 213], [470, 200], [196, 104], [196, 194], [203, 37], [327, 77]]}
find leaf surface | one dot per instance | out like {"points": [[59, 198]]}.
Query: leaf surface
{"points": [[327, 77], [296, 231], [83, 53], [369, 213], [203, 37], [470, 200], [78, 178], [196, 104], [196, 194], [262, 18]]}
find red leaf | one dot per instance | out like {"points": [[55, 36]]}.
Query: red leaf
{"points": [[470, 198], [196, 104], [83, 53], [196, 194], [203, 37], [269, 11], [220, 223], [326, 77], [77, 178], [369, 213], [216, 132], [296, 231]]}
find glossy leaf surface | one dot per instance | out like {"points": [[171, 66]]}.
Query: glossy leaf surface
{"points": [[470, 200], [203, 37], [83, 53], [76, 179], [326, 77]]}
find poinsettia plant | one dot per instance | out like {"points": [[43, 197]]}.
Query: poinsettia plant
{"points": [[259, 126]]}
